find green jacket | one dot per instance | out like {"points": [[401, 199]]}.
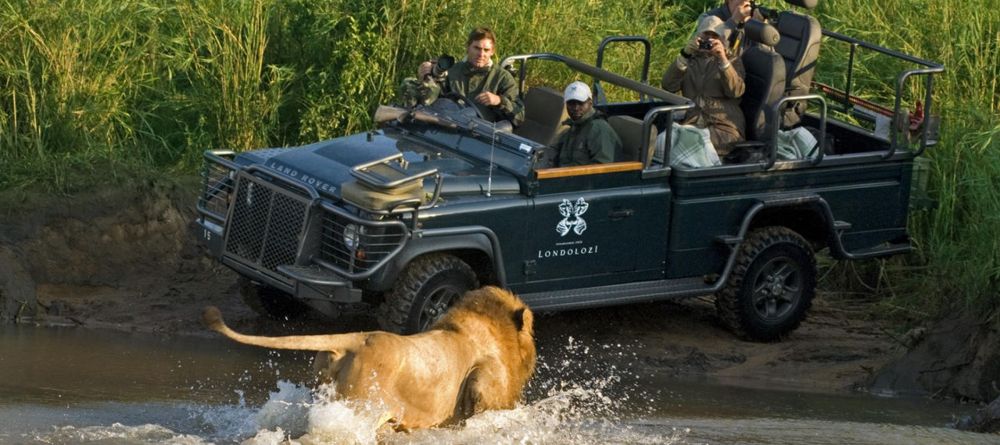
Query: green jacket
{"points": [[470, 82], [588, 141]]}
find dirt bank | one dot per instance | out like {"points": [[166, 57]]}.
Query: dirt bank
{"points": [[124, 259]]}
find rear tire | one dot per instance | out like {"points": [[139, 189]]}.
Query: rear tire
{"points": [[269, 302], [424, 291], [771, 287]]}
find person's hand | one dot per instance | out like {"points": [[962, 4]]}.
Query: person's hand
{"points": [[424, 70], [692, 46], [741, 12], [718, 50], [487, 98]]}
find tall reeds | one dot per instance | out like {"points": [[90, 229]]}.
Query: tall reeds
{"points": [[957, 262]]}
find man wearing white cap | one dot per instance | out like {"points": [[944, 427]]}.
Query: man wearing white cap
{"points": [[589, 140]]}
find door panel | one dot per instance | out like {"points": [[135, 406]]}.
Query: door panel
{"points": [[596, 229]]}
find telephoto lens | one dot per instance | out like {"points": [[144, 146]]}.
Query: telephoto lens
{"points": [[440, 69]]}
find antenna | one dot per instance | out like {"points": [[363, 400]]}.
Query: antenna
{"points": [[493, 145]]}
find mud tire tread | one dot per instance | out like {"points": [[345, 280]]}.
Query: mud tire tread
{"points": [[394, 314], [729, 301]]}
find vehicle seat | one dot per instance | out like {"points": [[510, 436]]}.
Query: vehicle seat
{"points": [[765, 85], [629, 130], [799, 46], [544, 113]]}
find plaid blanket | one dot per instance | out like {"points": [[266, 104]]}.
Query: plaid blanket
{"points": [[690, 146], [797, 143]]}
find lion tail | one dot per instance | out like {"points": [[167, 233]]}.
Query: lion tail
{"points": [[335, 343]]}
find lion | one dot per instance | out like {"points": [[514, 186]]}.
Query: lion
{"points": [[478, 356]]}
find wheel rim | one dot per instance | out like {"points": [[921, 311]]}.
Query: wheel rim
{"points": [[438, 302], [777, 288]]}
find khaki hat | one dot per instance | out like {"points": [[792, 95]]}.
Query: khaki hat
{"points": [[715, 25]]}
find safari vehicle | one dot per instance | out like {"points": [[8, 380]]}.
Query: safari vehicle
{"points": [[436, 201]]}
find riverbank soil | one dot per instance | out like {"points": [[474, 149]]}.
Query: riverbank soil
{"points": [[124, 258]]}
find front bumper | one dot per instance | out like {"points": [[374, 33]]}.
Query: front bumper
{"points": [[305, 283], [275, 230]]}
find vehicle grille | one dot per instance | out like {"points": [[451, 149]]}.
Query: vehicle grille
{"points": [[375, 243], [267, 224]]}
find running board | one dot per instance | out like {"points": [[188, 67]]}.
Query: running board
{"points": [[616, 294], [880, 251]]}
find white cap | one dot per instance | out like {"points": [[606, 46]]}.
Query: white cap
{"points": [[577, 91]]}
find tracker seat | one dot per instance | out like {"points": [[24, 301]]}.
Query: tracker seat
{"points": [[544, 114], [629, 130], [799, 47]]}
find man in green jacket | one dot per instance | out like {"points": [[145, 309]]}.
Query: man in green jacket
{"points": [[490, 88], [589, 139]]}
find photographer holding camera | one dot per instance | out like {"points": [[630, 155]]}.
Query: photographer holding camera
{"points": [[491, 89], [712, 78], [735, 14]]}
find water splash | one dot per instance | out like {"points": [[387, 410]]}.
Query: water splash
{"points": [[117, 434], [569, 402], [299, 415]]}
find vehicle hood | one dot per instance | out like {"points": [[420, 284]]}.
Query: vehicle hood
{"points": [[326, 165]]}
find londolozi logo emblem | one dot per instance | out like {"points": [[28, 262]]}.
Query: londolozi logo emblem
{"points": [[571, 217]]}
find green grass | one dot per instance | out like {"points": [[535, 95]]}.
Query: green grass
{"points": [[100, 91], [957, 262]]}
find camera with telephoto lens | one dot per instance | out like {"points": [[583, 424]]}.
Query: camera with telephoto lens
{"points": [[440, 69]]}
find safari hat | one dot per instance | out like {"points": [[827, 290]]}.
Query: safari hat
{"points": [[715, 25], [578, 91]]}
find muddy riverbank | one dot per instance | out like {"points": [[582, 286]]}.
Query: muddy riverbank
{"points": [[124, 259]]}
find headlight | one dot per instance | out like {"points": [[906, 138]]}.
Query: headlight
{"points": [[352, 236]]}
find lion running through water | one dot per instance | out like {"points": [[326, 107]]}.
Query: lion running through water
{"points": [[476, 357]]}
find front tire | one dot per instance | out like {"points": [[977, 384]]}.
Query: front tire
{"points": [[424, 291], [771, 287]]}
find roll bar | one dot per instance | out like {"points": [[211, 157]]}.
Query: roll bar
{"points": [[648, 48], [928, 69], [598, 74]]}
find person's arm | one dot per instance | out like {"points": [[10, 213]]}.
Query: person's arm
{"points": [[674, 76], [511, 106], [732, 78], [731, 70], [603, 144], [556, 150]]}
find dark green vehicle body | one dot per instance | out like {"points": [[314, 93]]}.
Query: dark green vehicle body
{"points": [[620, 233]]}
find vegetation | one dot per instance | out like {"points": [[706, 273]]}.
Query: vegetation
{"points": [[100, 91]]}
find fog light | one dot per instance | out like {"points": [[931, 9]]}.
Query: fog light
{"points": [[352, 236]]}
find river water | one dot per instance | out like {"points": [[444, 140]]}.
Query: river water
{"points": [[75, 386]]}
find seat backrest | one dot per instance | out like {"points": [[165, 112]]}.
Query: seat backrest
{"points": [[544, 113], [765, 85], [629, 130], [799, 46]]}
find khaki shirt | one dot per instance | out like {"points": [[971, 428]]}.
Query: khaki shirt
{"points": [[588, 141], [470, 82], [716, 93]]}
